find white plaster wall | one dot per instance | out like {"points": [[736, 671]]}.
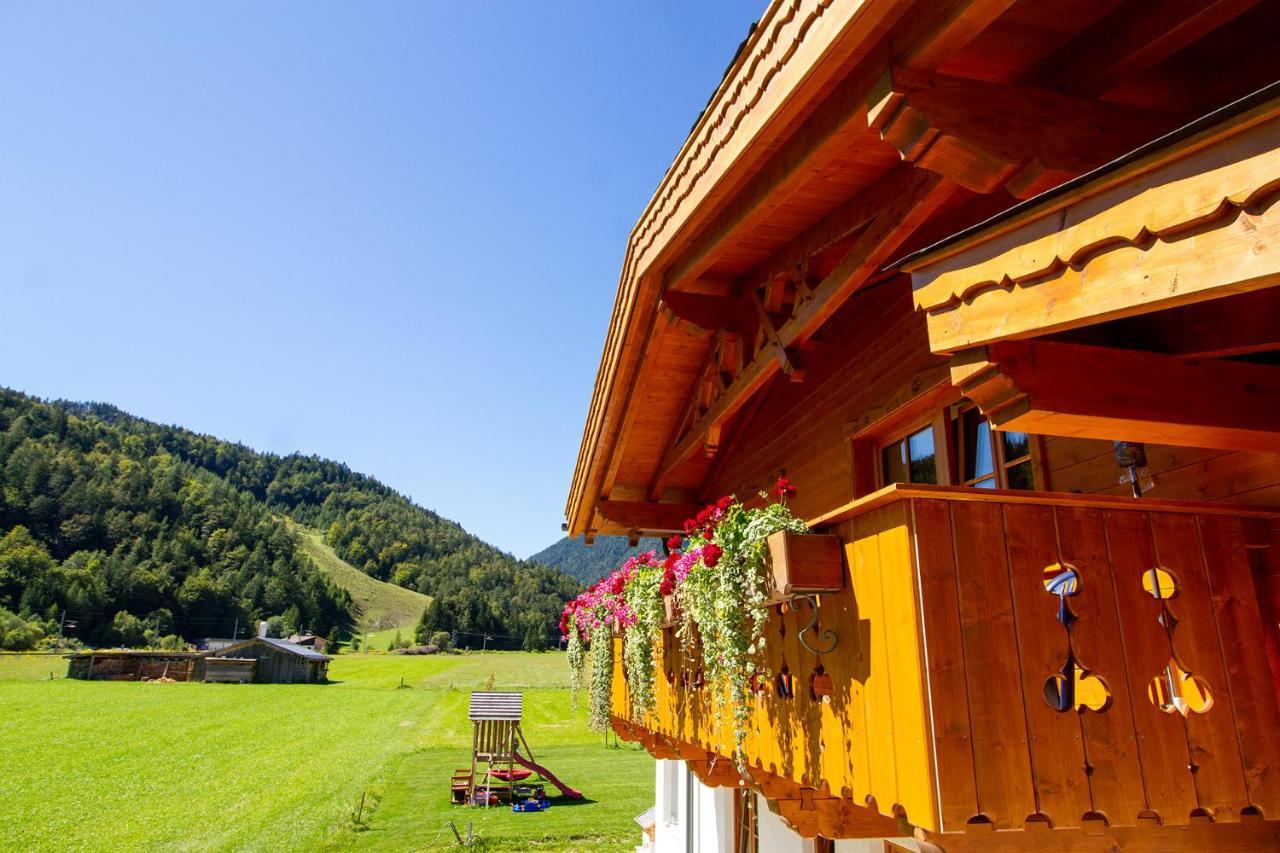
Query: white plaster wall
{"points": [[713, 819], [692, 818], [775, 836], [670, 818]]}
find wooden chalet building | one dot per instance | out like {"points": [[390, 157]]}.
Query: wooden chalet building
{"points": [[931, 258], [269, 661]]}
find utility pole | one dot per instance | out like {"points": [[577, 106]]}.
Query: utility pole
{"points": [[235, 630], [484, 647]]}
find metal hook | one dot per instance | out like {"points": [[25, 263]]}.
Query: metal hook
{"points": [[829, 638]]}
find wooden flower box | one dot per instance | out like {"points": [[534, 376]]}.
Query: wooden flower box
{"points": [[805, 563]]}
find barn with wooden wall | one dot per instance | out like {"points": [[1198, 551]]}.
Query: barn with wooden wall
{"points": [[279, 661]]}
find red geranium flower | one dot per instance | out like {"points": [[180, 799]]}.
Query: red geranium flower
{"points": [[675, 542], [783, 488], [711, 554]]}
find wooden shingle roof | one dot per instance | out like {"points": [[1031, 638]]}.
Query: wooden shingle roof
{"points": [[496, 706]]}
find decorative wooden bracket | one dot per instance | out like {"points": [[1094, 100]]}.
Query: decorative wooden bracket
{"points": [[711, 313], [985, 136]]}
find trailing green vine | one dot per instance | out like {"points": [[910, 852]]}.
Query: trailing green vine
{"points": [[640, 638], [598, 705], [576, 653]]}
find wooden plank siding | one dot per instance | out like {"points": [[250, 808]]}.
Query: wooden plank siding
{"points": [[948, 636], [868, 352]]}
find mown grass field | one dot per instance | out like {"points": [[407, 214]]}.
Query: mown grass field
{"points": [[124, 765]]}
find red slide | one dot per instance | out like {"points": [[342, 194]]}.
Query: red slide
{"points": [[548, 775]]}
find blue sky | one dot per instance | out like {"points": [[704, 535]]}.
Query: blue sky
{"points": [[385, 233]]}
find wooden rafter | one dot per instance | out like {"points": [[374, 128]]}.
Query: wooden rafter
{"points": [[647, 516], [1130, 39], [840, 223], [1100, 392], [985, 136], [711, 313], [788, 361], [1219, 328], [873, 248]]}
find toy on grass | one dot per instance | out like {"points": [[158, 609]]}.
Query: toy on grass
{"points": [[497, 766]]}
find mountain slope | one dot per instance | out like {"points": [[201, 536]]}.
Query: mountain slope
{"points": [[377, 605], [589, 563], [122, 514]]}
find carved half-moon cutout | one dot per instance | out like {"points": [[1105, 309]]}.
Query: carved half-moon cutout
{"points": [[784, 684], [1159, 584], [1084, 692], [1061, 579], [1176, 691]]}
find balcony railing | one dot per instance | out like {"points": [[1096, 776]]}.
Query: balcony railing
{"points": [[1013, 658]]}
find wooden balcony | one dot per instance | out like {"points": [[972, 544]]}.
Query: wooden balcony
{"points": [[956, 652]]}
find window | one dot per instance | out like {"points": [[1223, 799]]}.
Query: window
{"points": [[989, 459], [911, 459]]}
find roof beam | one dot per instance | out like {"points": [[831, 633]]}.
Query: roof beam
{"points": [[930, 36], [870, 251], [985, 136], [647, 516], [793, 257], [711, 313], [1112, 394], [1219, 328], [1128, 40]]}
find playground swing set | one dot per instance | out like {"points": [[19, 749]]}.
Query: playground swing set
{"points": [[500, 774]]}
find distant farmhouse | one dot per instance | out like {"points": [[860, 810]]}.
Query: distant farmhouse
{"points": [[261, 660], [274, 661], [311, 641]]}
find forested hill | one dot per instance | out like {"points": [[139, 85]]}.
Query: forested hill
{"points": [[589, 563], [102, 513]]}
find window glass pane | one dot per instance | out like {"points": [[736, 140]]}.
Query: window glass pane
{"points": [[1020, 475], [894, 460], [920, 449], [977, 445], [988, 483], [1015, 445]]}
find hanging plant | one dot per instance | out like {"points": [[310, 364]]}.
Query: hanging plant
{"points": [[725, 591], [601, 677], [643, 596], [592, 618], [722, 584], [576, 653]]}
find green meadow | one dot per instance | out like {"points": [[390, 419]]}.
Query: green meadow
{"points": [[130, 765]]}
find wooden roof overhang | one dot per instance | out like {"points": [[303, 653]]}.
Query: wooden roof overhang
{"points": [[1105, 308], [847, 133]]}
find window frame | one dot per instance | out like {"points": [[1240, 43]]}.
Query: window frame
{"points": [[940, 407], [1000, 465], [904, 437]]}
